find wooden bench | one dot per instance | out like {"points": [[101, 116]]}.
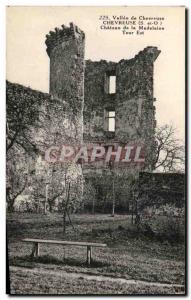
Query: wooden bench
{"points": [[36, 248]]}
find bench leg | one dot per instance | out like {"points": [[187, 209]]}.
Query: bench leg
{"points": [[89, 254], [35, 250]]}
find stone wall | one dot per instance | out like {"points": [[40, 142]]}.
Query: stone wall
{"points": [[96, 100], [60, 119], [133, 103], [55, 126], [76, 111]]}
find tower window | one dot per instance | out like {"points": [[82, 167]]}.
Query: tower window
{"points": [[112, 84], [110, 120]]}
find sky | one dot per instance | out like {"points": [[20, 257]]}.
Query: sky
{"points": [[28, 63]]}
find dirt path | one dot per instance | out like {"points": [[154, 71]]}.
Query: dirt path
{"points": [[93, 277]]}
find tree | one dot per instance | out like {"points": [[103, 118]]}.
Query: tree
{"points": [[47, 185], [58, 186], [170, 152], [71, 197], [23, 108], [17, 178], [89, 193], [34, 123]]}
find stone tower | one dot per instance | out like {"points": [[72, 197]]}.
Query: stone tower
{"points": [[132, 102], [65, 48], [119, 114]]}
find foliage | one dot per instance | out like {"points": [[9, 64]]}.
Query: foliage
{"points": [[99, 191], [17, 176]]}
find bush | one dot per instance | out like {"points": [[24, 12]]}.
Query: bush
{"points": [[165, 228]]}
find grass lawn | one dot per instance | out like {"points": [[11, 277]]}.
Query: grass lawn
{"points": [[127, 256]]}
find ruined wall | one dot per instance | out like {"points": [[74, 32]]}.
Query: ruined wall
{"points": [[60, 119], [53, 126], [96, 99], [76, 110], [132, 102], [135, 111]]}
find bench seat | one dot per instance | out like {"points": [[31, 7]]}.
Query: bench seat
{"points": [[36, 242]]}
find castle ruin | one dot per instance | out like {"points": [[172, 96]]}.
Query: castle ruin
{"points": [[119, 114], [110, 103]]}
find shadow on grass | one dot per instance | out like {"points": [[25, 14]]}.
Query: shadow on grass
{"points": [[29, 262]]}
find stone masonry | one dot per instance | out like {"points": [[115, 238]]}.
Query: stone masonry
{"points": [[65, 48], [133, 104], [79, 102], [133, 101]]}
